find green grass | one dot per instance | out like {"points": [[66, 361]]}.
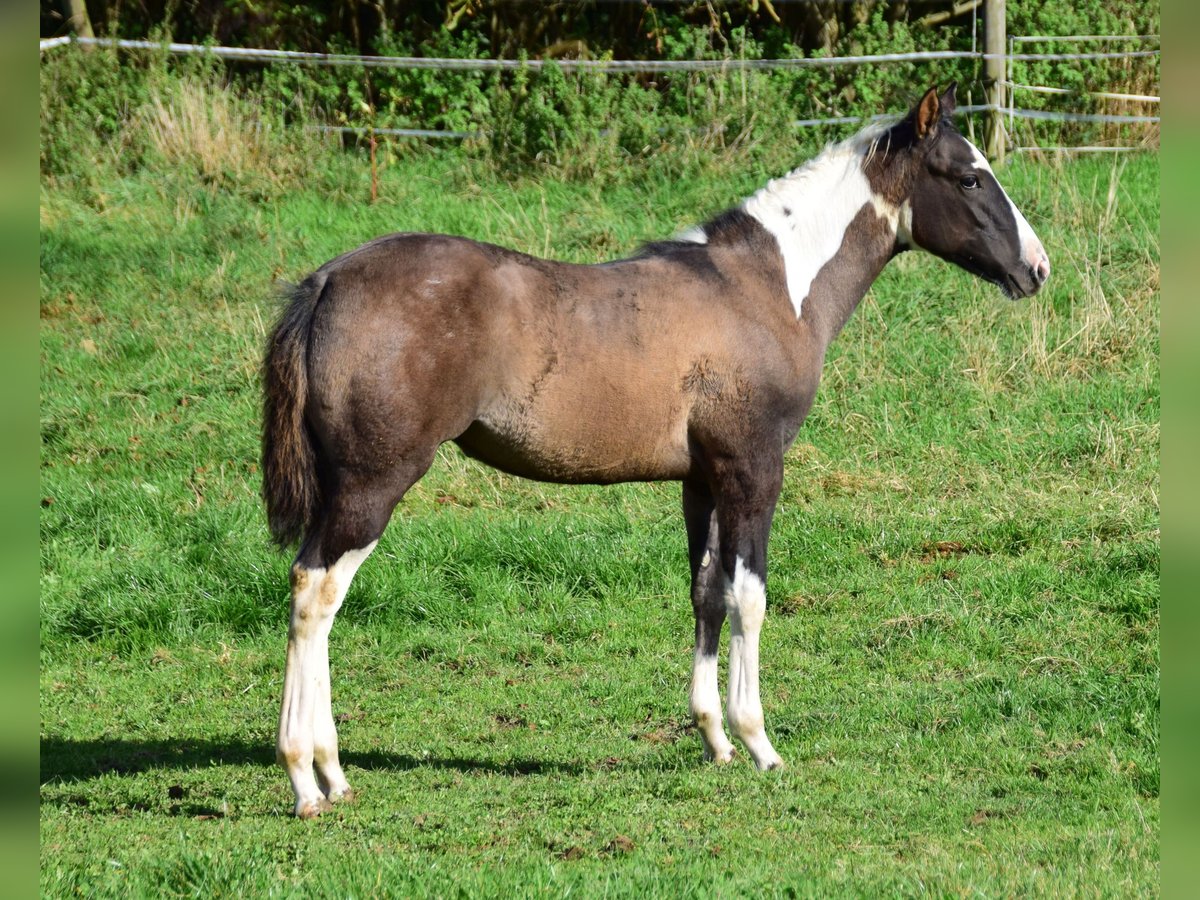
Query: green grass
{"points": [[960, 662]]}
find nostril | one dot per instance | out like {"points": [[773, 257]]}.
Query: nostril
{"points": [[1039, 264]]}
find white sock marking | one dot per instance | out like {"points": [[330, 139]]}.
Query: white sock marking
{"points": [[307, 734], [746, 602], [706, 708]]}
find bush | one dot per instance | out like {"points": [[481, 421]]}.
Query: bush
{"points": [[103, 109], [1126, 76]]}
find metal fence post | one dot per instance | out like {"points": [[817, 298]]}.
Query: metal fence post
{"points": [[994, 38]]}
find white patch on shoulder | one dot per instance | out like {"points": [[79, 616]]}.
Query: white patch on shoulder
{"points": [[809, 210], [695, 235]]}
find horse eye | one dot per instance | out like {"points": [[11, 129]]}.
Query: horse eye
{"points": [[970, 182]]}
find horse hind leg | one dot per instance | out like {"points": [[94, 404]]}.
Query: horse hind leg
{"points": [[333, 551], [306, 732]]}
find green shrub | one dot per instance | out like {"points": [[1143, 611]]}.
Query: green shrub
{"points": [[106, 111], [1127, 76], [103, 109]]}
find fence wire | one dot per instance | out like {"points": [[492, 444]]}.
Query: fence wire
{"points": [[640, 66], [250, 54]]}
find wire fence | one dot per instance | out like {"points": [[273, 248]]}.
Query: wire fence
{"points": [[1011, 87], [1008, 109], [638, 66]]}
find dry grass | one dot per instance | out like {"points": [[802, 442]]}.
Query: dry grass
{"points": [[1111, 291], [208, 129]]}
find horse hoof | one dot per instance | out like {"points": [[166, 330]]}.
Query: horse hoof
{"points": [[347, 796], [723, 758], [312, 808], [770, 763]]}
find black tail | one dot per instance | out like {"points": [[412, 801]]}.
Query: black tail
{"points": [[289, 461]]}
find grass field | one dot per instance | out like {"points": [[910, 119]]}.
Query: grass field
{"points": [[960, 661]]}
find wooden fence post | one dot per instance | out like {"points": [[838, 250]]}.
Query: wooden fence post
{"points": [[994, 39], [77, 16]]}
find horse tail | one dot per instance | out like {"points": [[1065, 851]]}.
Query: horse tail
{"points": [[289, 457]]}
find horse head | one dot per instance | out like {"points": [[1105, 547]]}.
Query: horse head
{"points": [[955, 208]]}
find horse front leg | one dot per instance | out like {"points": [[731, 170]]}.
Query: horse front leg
{"points": [[746, 602], [708, 604], [746, 505]]}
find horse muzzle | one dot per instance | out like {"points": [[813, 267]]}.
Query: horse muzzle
{"points": [[1032, 274]]}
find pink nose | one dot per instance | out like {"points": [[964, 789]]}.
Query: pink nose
{"points": [[1040, 263]]}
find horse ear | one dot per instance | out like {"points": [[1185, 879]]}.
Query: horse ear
{"points": [[927, 113], [948, 101]]}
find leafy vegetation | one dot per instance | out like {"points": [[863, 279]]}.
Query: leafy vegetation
{"points": [[576, 124], [556, 28], [961, 653]]}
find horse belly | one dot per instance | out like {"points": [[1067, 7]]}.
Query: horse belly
{"points": [[586, 432]]}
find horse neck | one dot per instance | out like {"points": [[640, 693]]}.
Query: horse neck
{"points": [[836, 233]]}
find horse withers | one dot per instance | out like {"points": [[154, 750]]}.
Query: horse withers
{"points": [[695, 360]]}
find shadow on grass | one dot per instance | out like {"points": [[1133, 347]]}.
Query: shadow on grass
{"points": [[67, 760]]}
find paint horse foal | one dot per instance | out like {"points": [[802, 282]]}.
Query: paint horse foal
{"points": [[695, 360]]}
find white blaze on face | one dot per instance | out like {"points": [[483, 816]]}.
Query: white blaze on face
{"points": [[1032, 251], [809, 210]]}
